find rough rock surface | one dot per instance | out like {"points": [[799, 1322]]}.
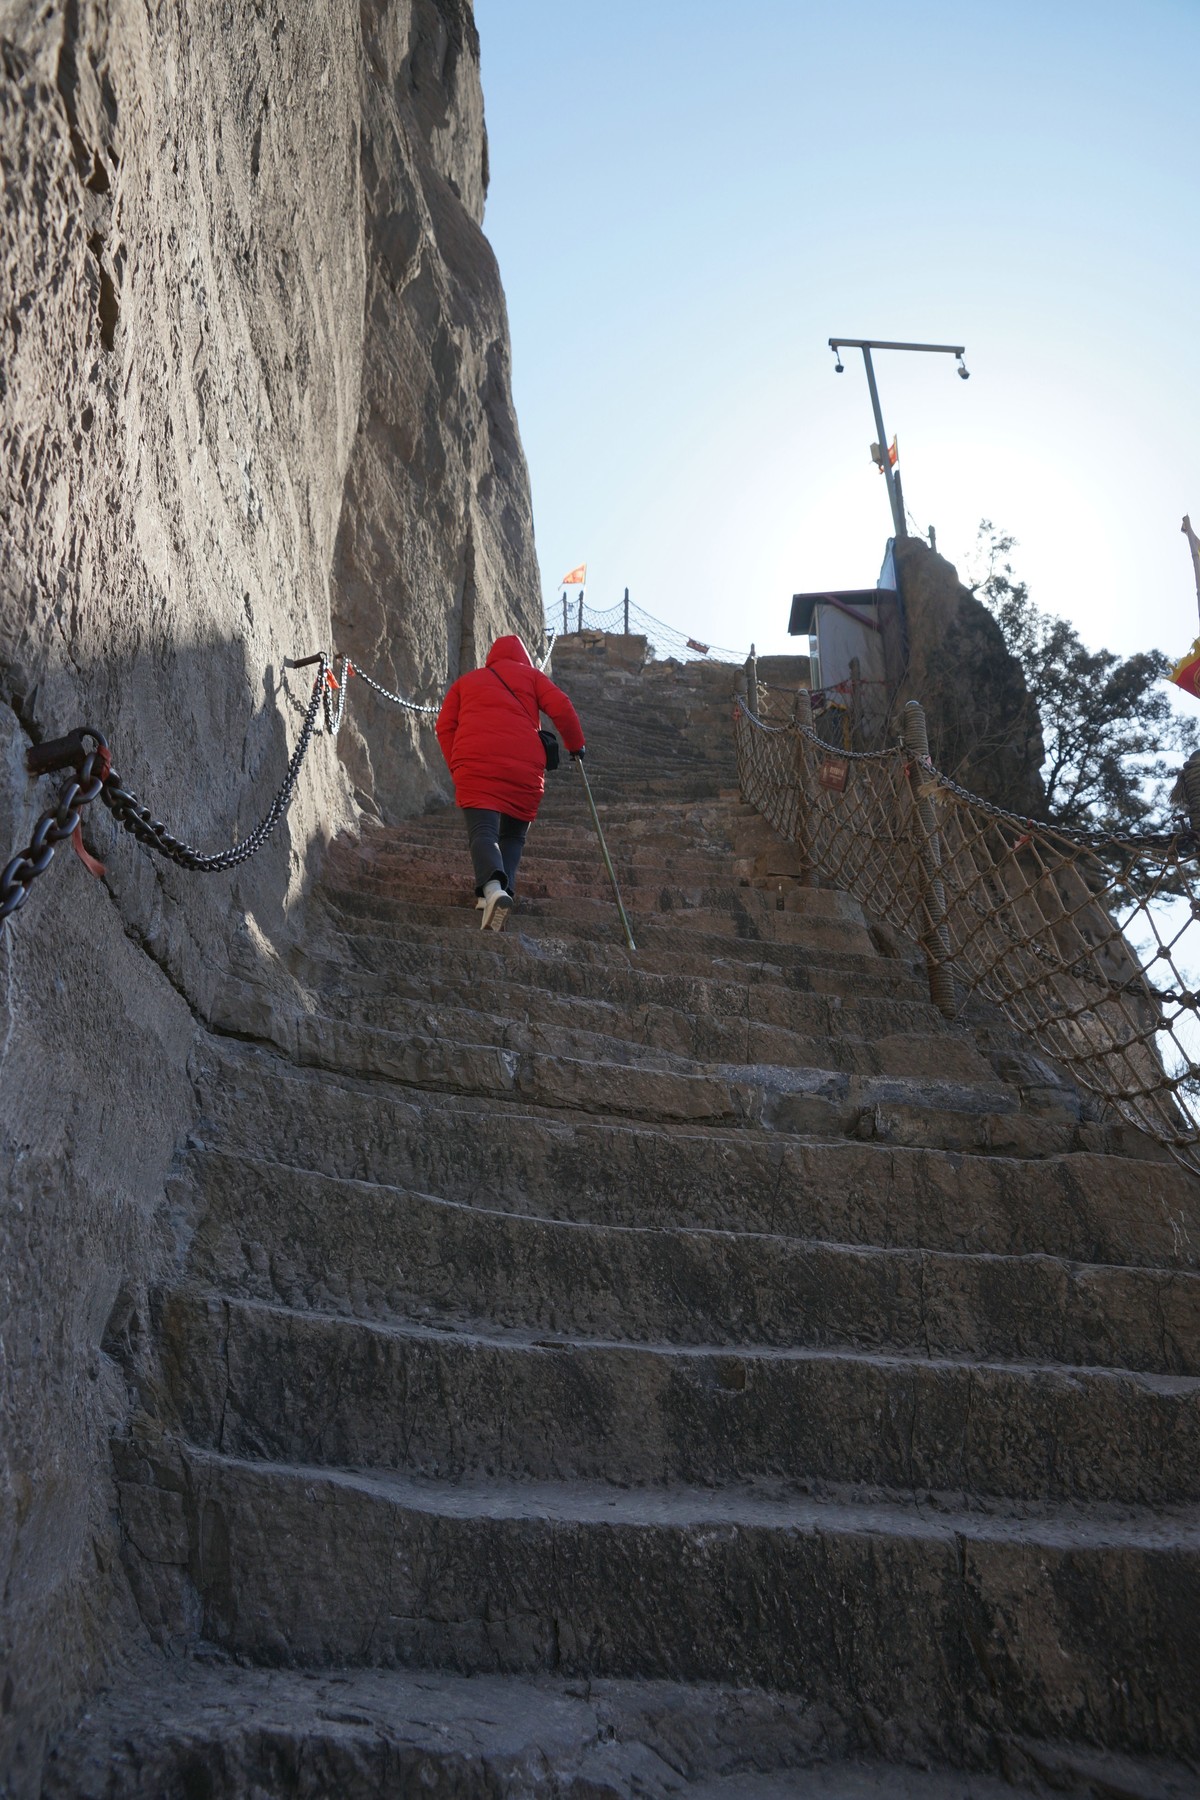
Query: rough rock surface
{"points": [[983, 726], [749, 1382], [253, 400]]}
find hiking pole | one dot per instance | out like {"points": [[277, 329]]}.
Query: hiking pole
{"points": [[612, 874]]}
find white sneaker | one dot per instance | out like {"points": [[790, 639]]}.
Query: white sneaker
{"points": [[496, 903]]}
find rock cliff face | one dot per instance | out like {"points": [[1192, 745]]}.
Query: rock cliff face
{"points": [[253, 401]]}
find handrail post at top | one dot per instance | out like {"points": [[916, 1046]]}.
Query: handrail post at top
{"points": [[935, 938], [802, 716], [752, 681]]}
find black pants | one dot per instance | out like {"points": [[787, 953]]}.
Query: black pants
{"points": [[496, 840]]}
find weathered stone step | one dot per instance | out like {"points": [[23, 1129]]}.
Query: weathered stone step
{"points": [[225, 1731], [558, 841], [710, 928], [588, 898], [255, 1380], [674, 944], [654, 1087], [596, 1073], [511, 1016], [398, 1254], [366, 967], [1082, 1207], [442, 876], [296, 1565], [439, 869], [917, 1111]]}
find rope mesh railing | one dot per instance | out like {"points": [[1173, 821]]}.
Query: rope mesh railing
{"points": [[1087, 941]]}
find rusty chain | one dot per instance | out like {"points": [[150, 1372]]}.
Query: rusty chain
{"points": [[95, 778], [60, 822]]}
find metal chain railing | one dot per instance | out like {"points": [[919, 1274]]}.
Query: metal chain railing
{"points": [[95, 778], [1088, 941]]}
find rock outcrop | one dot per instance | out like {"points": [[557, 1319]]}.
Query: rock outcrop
{"points": [[593, 1374], [983, 725], [253, 401]]}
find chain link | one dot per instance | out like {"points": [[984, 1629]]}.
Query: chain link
{"points": [[387, 694], [96, 779], [53, 828], [138, 820]]}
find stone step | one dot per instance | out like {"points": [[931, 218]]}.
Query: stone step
{"points": [[292, 1564], [1083, 1207], [561, 873], [368, 966], [679, 946], [587, 897], [742, 917], [463, 1051], [510, 1015], [226, 1731], [256, 1380], [981, 1119], [391, 1254]]}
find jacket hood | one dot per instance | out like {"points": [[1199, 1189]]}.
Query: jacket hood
{"points": [[509, 649]]}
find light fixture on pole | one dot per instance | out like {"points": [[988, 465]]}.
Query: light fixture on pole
{"points": [[866, 345]]}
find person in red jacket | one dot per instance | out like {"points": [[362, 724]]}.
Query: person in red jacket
{"points": [[488, 731]]}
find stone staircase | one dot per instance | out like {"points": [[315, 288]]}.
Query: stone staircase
{"points": [[702, 1372]]}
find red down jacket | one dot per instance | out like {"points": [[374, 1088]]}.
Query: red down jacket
{"points": [[490, 737]]}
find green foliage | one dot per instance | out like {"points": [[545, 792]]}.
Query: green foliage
{"points": [[1113, 740]]}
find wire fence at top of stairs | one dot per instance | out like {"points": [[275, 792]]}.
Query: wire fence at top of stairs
{"points": [[626, 617], [1088, 941]]}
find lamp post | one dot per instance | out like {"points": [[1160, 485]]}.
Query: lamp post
{"points": [[866, 345]]}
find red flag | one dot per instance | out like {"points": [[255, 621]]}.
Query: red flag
{"points": [[576, 578]]}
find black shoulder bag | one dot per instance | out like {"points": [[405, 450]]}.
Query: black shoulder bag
{"points": [[549, 741]]}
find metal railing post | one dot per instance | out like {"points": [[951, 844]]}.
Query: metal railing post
{"points": [[752, 681], [802, 713], [626, 612], [935, 938], [740, 728]]}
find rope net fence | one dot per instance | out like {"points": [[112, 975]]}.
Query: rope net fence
{"points": [[1086, 941]]}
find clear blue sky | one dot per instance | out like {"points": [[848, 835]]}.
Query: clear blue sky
{"points": [[688, 200]]}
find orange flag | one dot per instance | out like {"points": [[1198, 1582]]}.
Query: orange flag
{"points": [[1186, 673], [576, 578]]}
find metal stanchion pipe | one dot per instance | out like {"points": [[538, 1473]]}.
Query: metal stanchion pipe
{"points": [[936, 936]]}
